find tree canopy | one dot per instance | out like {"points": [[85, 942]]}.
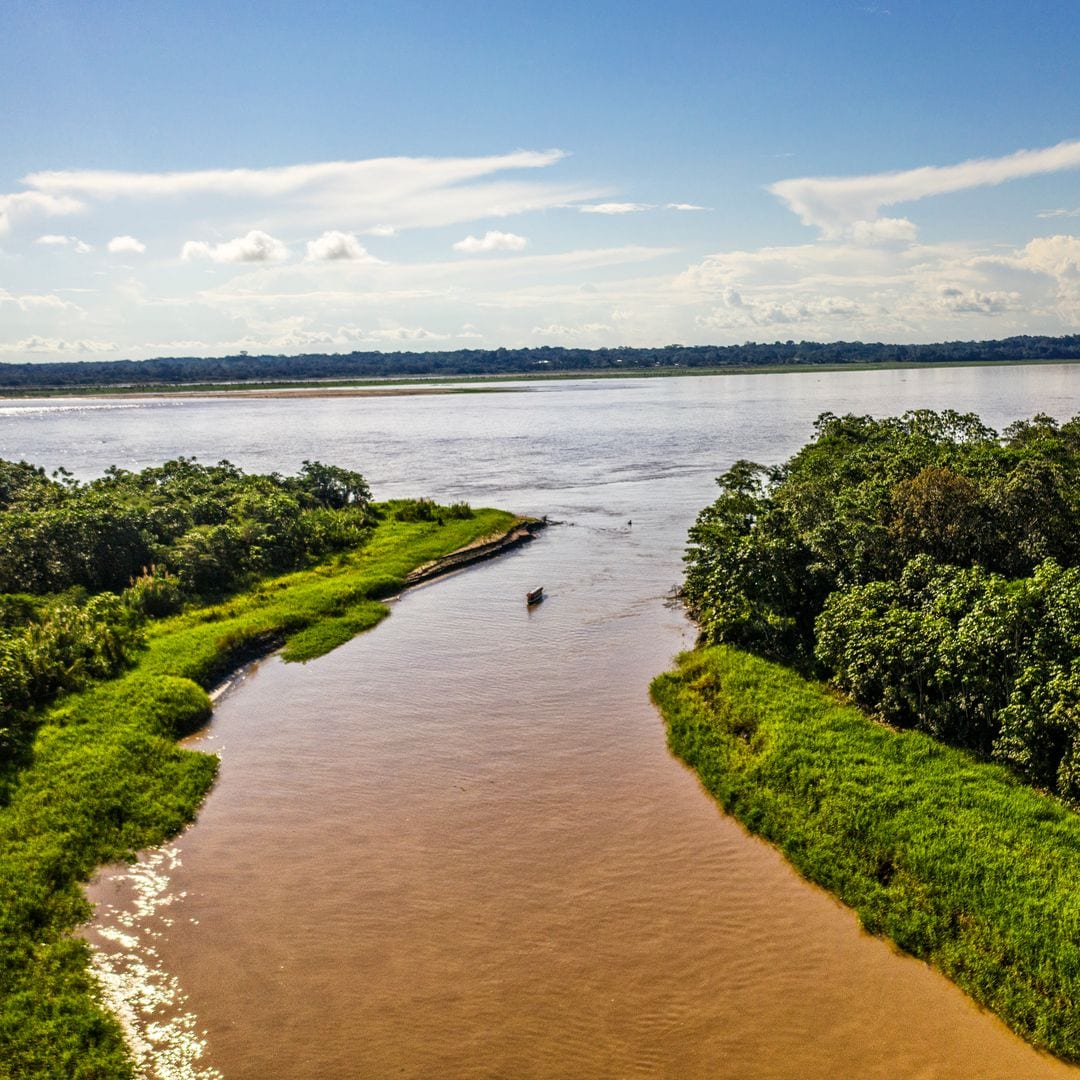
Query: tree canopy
{"points": [[926, 564]]}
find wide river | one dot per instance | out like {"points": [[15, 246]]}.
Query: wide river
{"points": [[458, 846]]}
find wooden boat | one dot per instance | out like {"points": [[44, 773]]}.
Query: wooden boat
{"points": [[535, 596]]}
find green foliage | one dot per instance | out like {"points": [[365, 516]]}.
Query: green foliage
{"points": [[99, 776], [214, 528], [923, 563], [58, 647], [953, 859]]}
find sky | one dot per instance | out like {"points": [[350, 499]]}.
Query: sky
{"points": [[201, 179]]}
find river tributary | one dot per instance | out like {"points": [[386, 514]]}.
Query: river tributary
{"points": [[458, 846]]}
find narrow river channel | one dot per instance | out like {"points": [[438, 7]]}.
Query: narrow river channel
{"points": [[457, 846]]}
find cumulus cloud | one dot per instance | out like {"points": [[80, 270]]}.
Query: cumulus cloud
{"points": [[736, 310], [615, 208], [255, 247], [335, 246], [405, 334], [492, 240], [1056, 255], [125, 245], [834, 203], [972, 301]]}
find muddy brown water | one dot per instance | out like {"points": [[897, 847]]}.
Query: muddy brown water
{"points": [[458, 846]]}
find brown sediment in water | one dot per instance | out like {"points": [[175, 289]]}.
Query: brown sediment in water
{"points": [[487, 547]]}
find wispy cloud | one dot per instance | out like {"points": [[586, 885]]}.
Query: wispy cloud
{"points": [[80, 247], [363, 195], [835, 203], [615, 208], [1059, 213], [685, 206]]}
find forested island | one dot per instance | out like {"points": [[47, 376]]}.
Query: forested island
{"points": [[887, 686], [122, 601], [548, 360]]}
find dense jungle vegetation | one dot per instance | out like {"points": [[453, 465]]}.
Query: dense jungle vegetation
{"points": [[138, 592], [82, 566], [175, 371], [923, 564], [929, 568]]}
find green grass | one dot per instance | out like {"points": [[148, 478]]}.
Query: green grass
{"points": [[106, 778], [954, 860]]}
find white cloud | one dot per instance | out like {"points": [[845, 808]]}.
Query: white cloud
{"points": [[125, 245], [558, 330], [335, 246], [491, 241], [405, 334], [80, 247], [285, 180], [884, 230], [1056, 255], [37, 344], [615, 208], [257, 246], [968, 301], [360, 195], [27, 203], [834, 203], [382, 230], [29, 302], [1059, 213], [685, 206]]}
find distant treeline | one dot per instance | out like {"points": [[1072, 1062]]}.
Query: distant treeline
{"points": [[356, 365]]}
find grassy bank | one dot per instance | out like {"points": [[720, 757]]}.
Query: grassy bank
{"points": [[954, 860], [105, 778]]}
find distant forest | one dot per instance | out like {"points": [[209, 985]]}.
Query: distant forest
{"points": [[175, 371]]}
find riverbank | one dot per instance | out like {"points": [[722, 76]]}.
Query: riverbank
{"points": [[953, 860], [478, 384], [106, 778]]}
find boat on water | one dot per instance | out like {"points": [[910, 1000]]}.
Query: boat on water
{"points": [[535, 596]]}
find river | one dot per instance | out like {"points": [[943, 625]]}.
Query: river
{"points": [[457, 846]]}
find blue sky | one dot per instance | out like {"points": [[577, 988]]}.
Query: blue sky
{"points": [[201, 178]]}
